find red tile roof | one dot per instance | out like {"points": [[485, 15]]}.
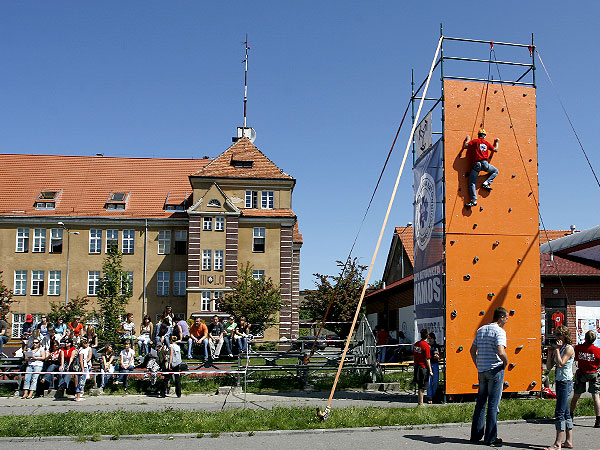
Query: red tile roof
{"points": [[566, 266], [406, 236], [404, 282], [242, 151], [551, 235], [85, 183], [297, 235], [268, 213]]}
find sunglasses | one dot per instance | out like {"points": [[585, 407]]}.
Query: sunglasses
{"points": [[36, 342]]}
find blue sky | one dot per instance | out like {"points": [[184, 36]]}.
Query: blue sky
{"points": [[328, 83]]}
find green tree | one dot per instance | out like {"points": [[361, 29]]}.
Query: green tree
{"points": [[342, 290], [257, 300], [5, 299], [114, 293], [76, 307]]}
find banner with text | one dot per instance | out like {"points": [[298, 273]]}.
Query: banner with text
{"points": [[428, 240]]}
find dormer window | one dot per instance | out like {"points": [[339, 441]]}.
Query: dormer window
{"points": [[214, 203], [176, 202], [116, 201], [46, 200], [242, 164], [174, 208]]}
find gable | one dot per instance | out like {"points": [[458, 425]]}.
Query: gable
{"points": [[214, 201]]}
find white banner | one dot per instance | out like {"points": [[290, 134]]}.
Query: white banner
{"points": [[423, 135]]}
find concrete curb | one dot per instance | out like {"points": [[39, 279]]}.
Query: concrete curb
{"points": [[246, 434]]}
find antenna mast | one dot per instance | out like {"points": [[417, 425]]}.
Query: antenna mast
{"points": [[246, 77]]}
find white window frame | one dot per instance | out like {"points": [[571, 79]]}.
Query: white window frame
{"points": [[259, 233], [164, 242], [54, 278], [220, 223], [56, 234], [20, 284], [267, 200], [206, 259], [258, 274], [206, 302], [39, 240], [219, 256], [216, 295], [207, 224], [22, 240], [179, 280], [95, 241], [93, 282], [128, 242], [111, 236], [163, 280], [251, 199], [37, 282]]}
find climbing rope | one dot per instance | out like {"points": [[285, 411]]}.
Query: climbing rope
{"points": [[324, 414], [484, 96]]}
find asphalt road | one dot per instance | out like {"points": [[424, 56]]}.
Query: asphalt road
{"points": [[519, 435]]}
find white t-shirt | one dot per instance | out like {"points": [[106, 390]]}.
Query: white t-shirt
{"points": [[127, 357], [86, 354]]}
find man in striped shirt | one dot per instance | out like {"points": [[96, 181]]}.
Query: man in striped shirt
{"points": [[489, 356]]}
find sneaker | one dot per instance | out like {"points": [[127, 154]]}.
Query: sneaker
{"points": [[486, 186], [496, 443], [471, 203], [230, 355], [116, 382], [597, 424]]}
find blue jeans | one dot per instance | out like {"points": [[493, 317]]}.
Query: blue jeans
{"points": [[31, 379], [490, 392], [123, 378], [434, 380], [562, 416], [3, 340], [81, 379], [63, 380], [228, 344], [478, 167], [49, 377], [242, 343], [191, 344]]}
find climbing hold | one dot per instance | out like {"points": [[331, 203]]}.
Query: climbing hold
{"points": [[453, 314], [491, 294], [467, 277], [475, 259], [495, 91], [513, 175], [482, 313], [465, 89], [496, 244], [509, 209], [458, 106], [511, 365], [519, 295], [475, 385], [481, 208], [519, 261], [460, 349], [520, 347], [452, 242], [474, 225], [533, 383], [524, 95], [512, 312], [487, 109], [502, 109], [530, 159]]}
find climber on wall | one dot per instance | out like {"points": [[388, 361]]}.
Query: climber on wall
{"points": [[478, 152]]}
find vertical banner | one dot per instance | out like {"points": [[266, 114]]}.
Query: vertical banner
{"points": [[423, 136], [428, 175]]}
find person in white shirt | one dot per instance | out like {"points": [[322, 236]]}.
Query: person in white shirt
{"points": [[127, 363], [85, 362]]}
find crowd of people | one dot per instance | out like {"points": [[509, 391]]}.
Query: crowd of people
{"points": [[63, 348]]}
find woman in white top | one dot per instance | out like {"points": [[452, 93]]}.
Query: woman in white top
{"points": [[127, 329], [35, 361], [145, 336], [173, 365], [85, 362], [127, 363]]}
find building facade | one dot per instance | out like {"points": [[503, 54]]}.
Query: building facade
{"points": [[184, 226]]}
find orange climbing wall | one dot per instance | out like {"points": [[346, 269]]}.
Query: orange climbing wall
{"points": [[492, 250]]}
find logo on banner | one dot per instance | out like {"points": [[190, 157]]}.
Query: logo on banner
{"points": [[425, 211]]}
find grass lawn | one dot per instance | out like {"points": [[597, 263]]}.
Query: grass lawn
{"points": [[92, 425]]}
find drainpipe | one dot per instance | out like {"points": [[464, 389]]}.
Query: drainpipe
{"points": [[145, 266]]}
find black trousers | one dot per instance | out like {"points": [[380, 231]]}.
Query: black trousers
{"points": [[166, 380]]}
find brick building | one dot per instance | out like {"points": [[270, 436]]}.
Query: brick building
{"points": [[184, 227]]}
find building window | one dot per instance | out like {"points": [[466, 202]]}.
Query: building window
{"points": [[267, 200], [258, 240], [179, 283], [56, 240], [46, 200], [207, 223], [214, 203], [258, 274], [54, 282], [216, 296], [251, 199], [20, 282], [112, 240], [17, 324], [95, 241], [206, 259], [116, 200], [181, 242], [205, 303], [22, 240], [219, 223], [127, 284], [218, 259], [39, 240], [37, 282], [164, 242], [128, 241], [162, 288], [93, 282]]}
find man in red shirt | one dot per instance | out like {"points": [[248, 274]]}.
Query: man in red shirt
{"points": [[587, 356], [422, 361], [76, 328], [478, 152]]}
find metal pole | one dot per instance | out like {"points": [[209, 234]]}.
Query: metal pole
{"points": [[68, 249], [246, 78], [412, 106], [533, 58], [485, 42]]}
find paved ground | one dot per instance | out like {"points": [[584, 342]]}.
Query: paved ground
{"points": [[204, 402], [518, 435]]}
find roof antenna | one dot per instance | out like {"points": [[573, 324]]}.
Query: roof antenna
{"points": [[245, 131]]}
